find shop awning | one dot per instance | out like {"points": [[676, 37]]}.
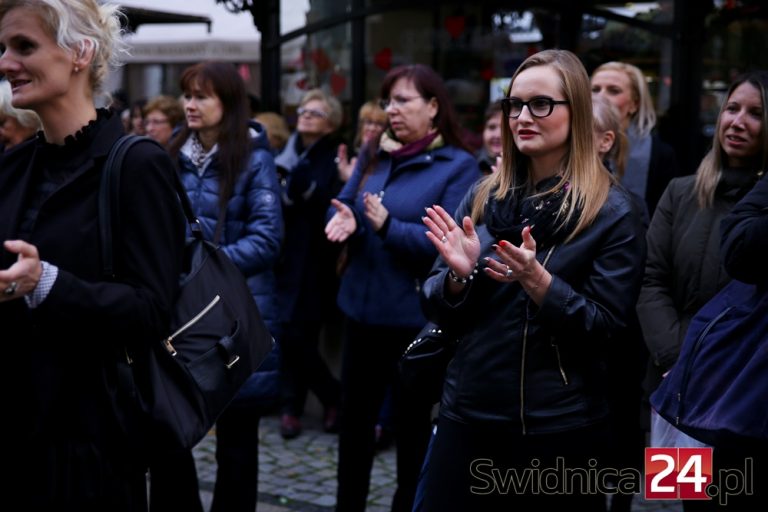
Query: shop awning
{"points": [[140, 16]]}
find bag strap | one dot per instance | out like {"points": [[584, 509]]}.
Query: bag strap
{"points": [[109, 199]]}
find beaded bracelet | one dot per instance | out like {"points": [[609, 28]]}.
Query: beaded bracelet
{"points": [[462, 280]]}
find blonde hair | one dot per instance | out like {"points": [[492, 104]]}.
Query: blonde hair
{"points": [[645, 117], [589, 181], [369, 111], [277, 128], [334, 107], [26, 118], [80, 27], [608, 119], [711, 167]]}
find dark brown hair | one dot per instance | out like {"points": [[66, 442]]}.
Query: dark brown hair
{"points": [[221, 79], [430, 85]]}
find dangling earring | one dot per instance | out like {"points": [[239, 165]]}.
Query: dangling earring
{"points": [[77, 69]]}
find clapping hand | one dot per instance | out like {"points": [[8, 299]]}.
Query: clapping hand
{"points": [[458, 246], [375, 211], [519, 264], [342, 224], [344, 165]]}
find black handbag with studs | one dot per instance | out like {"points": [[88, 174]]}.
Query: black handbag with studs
{"points": [[423, 364]]}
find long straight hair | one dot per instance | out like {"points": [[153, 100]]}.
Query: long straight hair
{"points": [[645, 117], [222, 80], [588, 178], [711, 167]]}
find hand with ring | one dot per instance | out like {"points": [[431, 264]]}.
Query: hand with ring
{"points": [[11, 289], [520, 264], [459, 246], [22, 277]]}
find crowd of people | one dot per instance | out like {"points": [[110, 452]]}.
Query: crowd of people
{"points": [[566, 255]]}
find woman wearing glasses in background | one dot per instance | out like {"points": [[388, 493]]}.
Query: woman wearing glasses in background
{"points": [[161, 115], [539, 270], [419, 161], [307, 281]]}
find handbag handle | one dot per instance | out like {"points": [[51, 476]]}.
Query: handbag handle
{"points": [[109, 199]]}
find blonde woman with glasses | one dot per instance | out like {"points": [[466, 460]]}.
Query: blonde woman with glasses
{"points": [[538, 274]]}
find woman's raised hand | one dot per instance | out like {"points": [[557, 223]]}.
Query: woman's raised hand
{"points": [[520, 264], [342, 224], [344, 165], [458, 246]]}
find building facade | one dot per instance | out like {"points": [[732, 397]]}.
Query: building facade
{"points": [[688, 49]]}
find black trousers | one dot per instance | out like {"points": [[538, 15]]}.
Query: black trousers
{"points": [[494, 468], [237, 457], [303, 368], [369, 363], [173, 481], [173, 475]]}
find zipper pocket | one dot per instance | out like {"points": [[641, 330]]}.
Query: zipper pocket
{"points": [[560, 364], [190, 323]]}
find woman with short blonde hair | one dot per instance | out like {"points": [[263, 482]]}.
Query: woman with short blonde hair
{"points": [[78, 436]]}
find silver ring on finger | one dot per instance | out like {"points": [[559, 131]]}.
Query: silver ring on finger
{"points": [[444, 239], [11, 289], [509, 273]]}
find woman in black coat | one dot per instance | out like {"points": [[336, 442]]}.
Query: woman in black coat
{"points": [[684, 271], [64, 324], [538, 274]]}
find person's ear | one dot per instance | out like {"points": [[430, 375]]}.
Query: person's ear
{"points": [[83, 56], [605, 141], [433, 108]]}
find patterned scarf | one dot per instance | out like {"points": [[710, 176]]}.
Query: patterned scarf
{"points": [[545, 213]]}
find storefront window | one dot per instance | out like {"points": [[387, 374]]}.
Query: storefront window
{"points": [[734, 36], [321, 59]]}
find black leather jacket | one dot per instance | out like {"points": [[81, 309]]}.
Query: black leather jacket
{"points": [[543, 369]]}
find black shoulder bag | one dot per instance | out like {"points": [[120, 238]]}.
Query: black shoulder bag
{"points": [[423, 364], [217, 337]]}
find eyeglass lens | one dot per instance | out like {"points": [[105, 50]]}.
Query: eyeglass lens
{"points": [[311, 112], [538, 107]]}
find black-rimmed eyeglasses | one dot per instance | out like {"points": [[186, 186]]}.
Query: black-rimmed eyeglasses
{"points": [[541, 106]]}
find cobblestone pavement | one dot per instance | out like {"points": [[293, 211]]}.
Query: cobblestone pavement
{"points": [[299, 475]]}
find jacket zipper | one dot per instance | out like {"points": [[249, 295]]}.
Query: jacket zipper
{"points": [[560, 364], [190, 323], [689, 362], [522, 362]]}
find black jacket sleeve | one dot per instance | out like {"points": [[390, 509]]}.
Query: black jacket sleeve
{"points": [[745, 236]]}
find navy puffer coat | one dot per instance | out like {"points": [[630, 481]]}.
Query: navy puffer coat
{"points": [[253, 228]]}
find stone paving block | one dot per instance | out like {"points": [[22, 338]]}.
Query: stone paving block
{"points": [[300, 475], [326, 500]]}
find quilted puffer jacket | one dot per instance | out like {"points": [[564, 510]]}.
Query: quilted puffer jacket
{"points": [[253, 227]]}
